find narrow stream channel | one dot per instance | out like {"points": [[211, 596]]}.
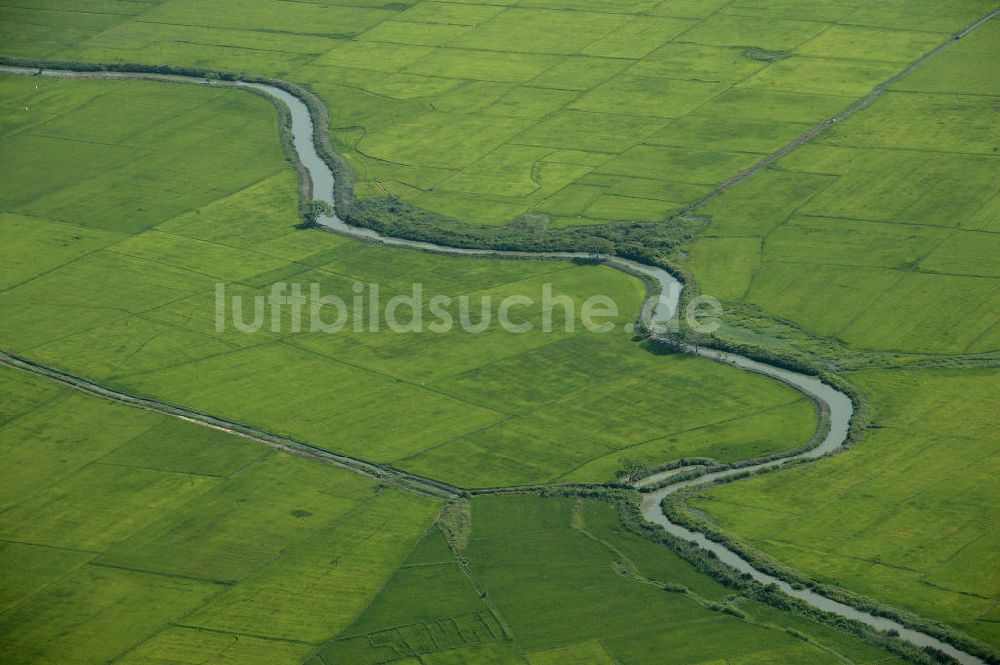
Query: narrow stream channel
{"points": [[837, 403]]}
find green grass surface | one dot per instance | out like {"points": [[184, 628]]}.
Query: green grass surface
{"points": [[123, 528], [559, 581], [878, 232], [609, 112], [260, 557], [909, 516], [881, 235], [423, 94], [132, 305]]}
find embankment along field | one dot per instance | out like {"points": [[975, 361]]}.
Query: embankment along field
{"points": [[883, 235], [129, 300]]}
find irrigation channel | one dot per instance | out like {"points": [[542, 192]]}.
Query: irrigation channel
{"points": [[836, 405]]}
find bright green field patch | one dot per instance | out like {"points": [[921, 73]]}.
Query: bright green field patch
{"points": [[726, 265], [965, 253], [71, 514], [27, 569], [790, 290], [732, 440], [584, 652], [558, 574], [479, 65], [897, 185], [638, 37], [374, 55], [33, 245], [572, 200], [680, 164], [960, 70], [697, 61], [190, 646], [122, 185], [436, 139], [591, 132], [41, 172], [903, 15], [94, 614], [767, 33], [642, 96], [38, 34], [252, 519], [818, 240], [837, 77], [579, 73], [65, 439], [758, 103], [181, 447], [710, 131], [541, 31], [848, 41], [902, 319], [328, 18], [450, 13], [313, 543], [609, 206], [971, 125], [913, 496], [324, 582], [423, 34]]}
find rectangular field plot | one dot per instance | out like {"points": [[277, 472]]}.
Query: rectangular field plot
{"points": [[924, 477], [898, 186], [832, 77], [229, 533], [745, 31], [697, 61], [40, 34], [313, 543], [95, 614], [191, 646], [935, 123], [541, 31], [317, 587], [644, 96], [72, 514], [862, 43], [270, 15]]}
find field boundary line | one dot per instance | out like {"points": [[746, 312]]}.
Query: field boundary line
{"points": [[858, 105], [380, 473]]}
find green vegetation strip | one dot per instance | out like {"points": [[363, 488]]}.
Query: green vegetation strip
{"points": [[384, 474]]}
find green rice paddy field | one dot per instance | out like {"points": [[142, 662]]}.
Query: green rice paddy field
{"points": [[130, 201], [130, 537], [587, 112], [882, 234]]}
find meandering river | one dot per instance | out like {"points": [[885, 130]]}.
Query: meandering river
{"points": [[834, 403]]}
